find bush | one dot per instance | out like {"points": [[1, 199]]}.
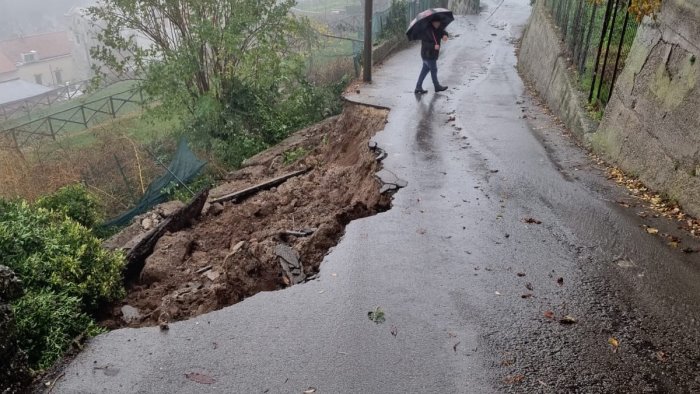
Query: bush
{"points": [[252, 119], [47, 323], [66, 275], [76, 202], [49, 250]]}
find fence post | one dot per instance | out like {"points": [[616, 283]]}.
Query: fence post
{"points": [[619, 48], [82, 111], [111, 107], [584, 53], [607, 48], [600, 48], [367, 67], [53, 135]]}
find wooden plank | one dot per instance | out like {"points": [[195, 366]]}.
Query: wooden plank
{"points": [[245, 193]]}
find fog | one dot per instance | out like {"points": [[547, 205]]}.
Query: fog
{"points": [[26, 17]]}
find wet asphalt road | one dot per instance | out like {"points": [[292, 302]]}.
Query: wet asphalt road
{"points": [[449, 265]]}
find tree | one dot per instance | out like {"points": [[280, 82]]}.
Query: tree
{"points": [[194, 52]]}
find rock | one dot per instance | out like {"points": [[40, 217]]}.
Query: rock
{"points": [[147, 223], [167, 209], [215, 209], [130, 314], [212, 275]]}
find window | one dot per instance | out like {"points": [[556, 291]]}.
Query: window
{"points": [[38, 79], [59, 77]]}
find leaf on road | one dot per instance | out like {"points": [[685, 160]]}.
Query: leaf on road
{"points": [[614, 343], [394, 331], [568, 319], [689, 250], [661, 356], [514, 379], [376, 315], [528, 286], [652, 230], [521, 274], [549, 314], [455, 346], [560, 282], [310, 390], [200, 378], [531, 221], [526, 295]]}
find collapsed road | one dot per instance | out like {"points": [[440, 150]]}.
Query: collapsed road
{"points": [[504, 265]]}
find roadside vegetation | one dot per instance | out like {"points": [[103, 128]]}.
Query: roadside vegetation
{"points": [[64, 276], [253, 85]]}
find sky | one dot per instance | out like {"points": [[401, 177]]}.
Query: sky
{"points": [[27, 17]]}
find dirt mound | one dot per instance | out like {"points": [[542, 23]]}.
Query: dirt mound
{"points": [[233, 251]]}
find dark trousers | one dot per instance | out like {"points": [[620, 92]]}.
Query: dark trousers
{"points": [[429, 66]]}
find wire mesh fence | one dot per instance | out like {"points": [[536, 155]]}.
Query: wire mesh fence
{"points": [[598, 35], [341, 24]]}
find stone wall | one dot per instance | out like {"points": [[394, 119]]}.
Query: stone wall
{"points": [[542, 62], [651, 126], [464, 7]]}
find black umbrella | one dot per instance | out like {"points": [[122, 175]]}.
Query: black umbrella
{"points": [[417, 27]]}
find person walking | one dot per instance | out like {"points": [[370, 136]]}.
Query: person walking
{"points": [[431, 40]]}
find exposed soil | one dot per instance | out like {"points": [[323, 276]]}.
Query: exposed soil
{"points": [[229, 254]]}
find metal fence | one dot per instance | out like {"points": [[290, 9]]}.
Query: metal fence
{"points": [[598, 35], [76, 118], [25, 107], [342, 22]]}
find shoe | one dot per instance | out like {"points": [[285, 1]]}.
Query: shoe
{"points": [[420, 91], [440, 89]]}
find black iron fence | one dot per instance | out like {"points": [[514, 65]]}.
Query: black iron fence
{"points": [[25, 107], [76, 118], [598, 35]]}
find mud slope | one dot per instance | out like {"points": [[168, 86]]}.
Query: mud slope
{"points": [[230, 254]]}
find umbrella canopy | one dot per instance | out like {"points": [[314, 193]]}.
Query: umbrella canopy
{"points": [[418, 25]]}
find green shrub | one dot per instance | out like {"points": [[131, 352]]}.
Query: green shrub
{"points": [[49, 250], [76, 202], [66, 275], [47, 323]]}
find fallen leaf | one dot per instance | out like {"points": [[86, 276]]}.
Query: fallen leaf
{"points": [[532, 221], [568, 319], [689, 250], [394, 331], [521, 274], [528, 286], [310, 390], [376, 315], [661, 356], [673, 244], [200, 378], [549, 314], [560, 281], [614, 343], [498, 293], [455, 346], [526, 295], [652, 230], [514, 379]]}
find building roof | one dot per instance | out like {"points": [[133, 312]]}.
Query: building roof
{"points": [[18, 89], [47, 46]]}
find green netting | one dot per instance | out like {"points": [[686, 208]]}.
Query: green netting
{"points": [[184, 167]]}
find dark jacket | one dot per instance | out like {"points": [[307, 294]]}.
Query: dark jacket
{"points": [[431, 38]]}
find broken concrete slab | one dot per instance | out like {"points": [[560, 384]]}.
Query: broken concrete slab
{"points": [[289, 260]]}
